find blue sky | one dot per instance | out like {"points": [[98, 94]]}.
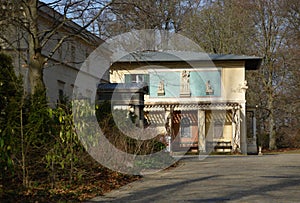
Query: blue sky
{"points": [[47, 1]]}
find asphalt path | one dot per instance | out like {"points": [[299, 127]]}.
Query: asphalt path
{"points": [[253, 178]]}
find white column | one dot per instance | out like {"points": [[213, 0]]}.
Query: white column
{"points": [[244, 88], [201, 131], [233, 125], [169, 127], [236, 139], [243, 129]]}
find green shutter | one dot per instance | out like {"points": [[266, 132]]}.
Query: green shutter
{"points": [[147, 79], [127, 78]]}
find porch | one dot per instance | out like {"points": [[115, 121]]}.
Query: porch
{"points": [[202, 127]]}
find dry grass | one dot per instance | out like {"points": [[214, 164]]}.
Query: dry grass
{"points": [[283, 151]]}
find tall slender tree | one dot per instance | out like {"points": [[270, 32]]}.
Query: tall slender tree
{"points": [[271, 37]]}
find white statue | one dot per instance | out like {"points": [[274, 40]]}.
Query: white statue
{"points": [[161, 88], [244, 86], [185, 85], [209, 88]]}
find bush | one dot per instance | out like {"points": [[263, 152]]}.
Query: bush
{"points": [[263, 140], [288, 139], [121, 131]]}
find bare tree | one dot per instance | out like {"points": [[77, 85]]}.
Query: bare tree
{"points": [[265, 28], [287, 113], [126, 15], [23, 16], [222, 27], [270, 21]]}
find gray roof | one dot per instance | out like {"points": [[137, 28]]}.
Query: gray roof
{"points": [[104, 87], [251, 62], [71, 26]]}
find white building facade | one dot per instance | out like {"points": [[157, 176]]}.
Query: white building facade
{"points": [[60, 71]]}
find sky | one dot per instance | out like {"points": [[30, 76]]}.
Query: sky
{"points": [[47, 1]]}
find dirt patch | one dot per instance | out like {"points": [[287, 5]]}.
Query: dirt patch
{"points": [[95, 182]]}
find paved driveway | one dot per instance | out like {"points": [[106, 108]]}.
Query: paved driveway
{"points": [[267, 178]]}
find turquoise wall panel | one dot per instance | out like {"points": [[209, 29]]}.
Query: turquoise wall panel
{"points": [[171, 83], [198, 80]]}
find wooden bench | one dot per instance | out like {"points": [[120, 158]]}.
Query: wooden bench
{"points": [[224, 146], [220, 146]]}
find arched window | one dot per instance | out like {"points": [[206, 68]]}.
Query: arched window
{"points": [[185, 127]]}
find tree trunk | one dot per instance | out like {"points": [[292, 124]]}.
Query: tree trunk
{"points": [[272, 138], [36, 66], [36, 60]]}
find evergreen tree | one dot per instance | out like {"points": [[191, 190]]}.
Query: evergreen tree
{"points": [[10, 96]]}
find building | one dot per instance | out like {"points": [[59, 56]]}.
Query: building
{"points": [[197, 99], [60, 72]]}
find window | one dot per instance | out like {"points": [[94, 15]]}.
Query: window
{"points": [[87, 62], [60, 53], [136, 78], [185, 127], [73, 52], [61, 93], [74, 90]]}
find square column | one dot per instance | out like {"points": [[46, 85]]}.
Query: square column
{"points": [[243, 129], [201, 131], [168, 128], [236, 135]]}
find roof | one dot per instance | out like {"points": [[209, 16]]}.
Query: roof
{"points": [[122, 87], [251, 62], [69, 25]]}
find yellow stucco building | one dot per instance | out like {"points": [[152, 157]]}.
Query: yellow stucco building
{"points": [[198, 100]]}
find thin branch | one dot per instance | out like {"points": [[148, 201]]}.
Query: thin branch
{"points": [[14, 48]]}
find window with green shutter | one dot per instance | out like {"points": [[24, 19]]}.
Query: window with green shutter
{"points": [[127, 78], [136, 78], [147, 79]]}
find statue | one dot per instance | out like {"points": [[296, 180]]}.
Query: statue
{"points": [[244, 86], [161, 88], [209, 88], [185, 84], [185, 80]]}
